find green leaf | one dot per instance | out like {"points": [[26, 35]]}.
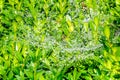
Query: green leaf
{"points": [[40, 76], [96, 20], [86, 26], [22, 75], [2, 71], [29, 73], [107, 32], [10, 75], [70, 24], [118, 2]]}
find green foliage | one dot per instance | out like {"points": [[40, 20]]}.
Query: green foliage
{"points": [[60, 39]]}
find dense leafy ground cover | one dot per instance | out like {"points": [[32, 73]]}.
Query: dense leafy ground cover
{"points": [[60, 39]]}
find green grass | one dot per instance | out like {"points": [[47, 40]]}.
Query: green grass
{"points": [[59, 40]]}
